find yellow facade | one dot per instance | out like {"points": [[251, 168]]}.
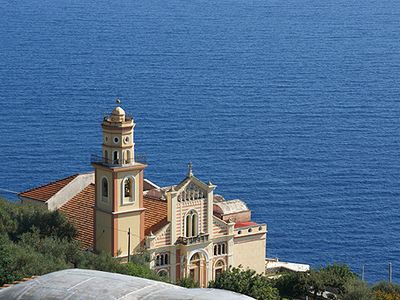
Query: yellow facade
{"points": [[249, 252], [194, 243], [119, 188]]}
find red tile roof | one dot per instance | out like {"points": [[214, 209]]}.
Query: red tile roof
{"points": [[155, 215], [245, 224], [80, 211], [45, 192]]}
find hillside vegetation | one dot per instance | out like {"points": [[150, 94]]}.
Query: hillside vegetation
{"points": [[35, 241]]}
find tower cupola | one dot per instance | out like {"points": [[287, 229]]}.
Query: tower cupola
{"points": [[118, 144], [117, 115]]}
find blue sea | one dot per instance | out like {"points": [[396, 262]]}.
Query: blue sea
{"points": [[290, 105]]}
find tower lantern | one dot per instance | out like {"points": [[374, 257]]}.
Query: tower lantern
{"points": [[118, 144], [119, 187]]}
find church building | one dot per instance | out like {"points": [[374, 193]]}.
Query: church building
{"points": [[188, 229]]}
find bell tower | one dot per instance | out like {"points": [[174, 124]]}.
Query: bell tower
{"points": [[119, 212]]}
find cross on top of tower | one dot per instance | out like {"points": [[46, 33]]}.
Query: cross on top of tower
{"points": [[190, 169]]}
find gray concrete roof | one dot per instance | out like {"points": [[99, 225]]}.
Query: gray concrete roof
{"points": [[89, 284]]}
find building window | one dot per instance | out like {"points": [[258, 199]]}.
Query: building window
{"points": [[104, 189], [162, 259], [116, 140], [105, 158], [219, 268], [220, 249], [128, 159], [128, 190], [191, 224], [115, 157], [163, 273]]}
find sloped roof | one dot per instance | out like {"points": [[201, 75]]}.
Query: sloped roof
{"points": [[80, 208], [155, 215], [45, 192], [80, 212]]}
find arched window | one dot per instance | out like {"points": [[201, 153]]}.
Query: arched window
{"points": [[104, 189], [220, 249], [194, 225], [115, 157], [219, 268], [162, 259], [191, 224], [163, 273], [157, 260], [128, 190], [128, 157]]}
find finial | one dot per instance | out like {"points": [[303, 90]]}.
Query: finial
{"points": [[118, 101], [190, 169], [210, 183]]}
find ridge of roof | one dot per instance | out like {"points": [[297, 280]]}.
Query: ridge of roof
{"points": [[36, 193]]}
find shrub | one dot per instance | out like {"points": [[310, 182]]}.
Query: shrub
{"points": [[246, 282]]}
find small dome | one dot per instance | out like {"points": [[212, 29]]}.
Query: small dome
{"points": [[118, 111], [118, 115]]}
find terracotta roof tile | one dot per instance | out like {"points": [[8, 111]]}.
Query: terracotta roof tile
{"points": [[45, 192], [155, 215], [80, 212], [245, 224]]}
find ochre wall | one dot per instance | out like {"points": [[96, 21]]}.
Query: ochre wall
{"points": [[249, 251], [103, 232], [126, 221]]}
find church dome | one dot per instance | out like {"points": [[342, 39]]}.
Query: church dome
{"points": [[118, 111], [118, 115]]}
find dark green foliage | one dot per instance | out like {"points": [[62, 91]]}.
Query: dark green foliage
{"points": [[246, 282], [188, 283], [34, 241], [356, 290], [18, 219], [18, 261], [336, 279], [292, 285]]}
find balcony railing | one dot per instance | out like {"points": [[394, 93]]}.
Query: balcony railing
{"points": [[201, 238], [97, 159]]}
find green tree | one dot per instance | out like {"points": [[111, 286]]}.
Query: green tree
{"points": [[292, 285], [356, 290], [246, 282]]}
